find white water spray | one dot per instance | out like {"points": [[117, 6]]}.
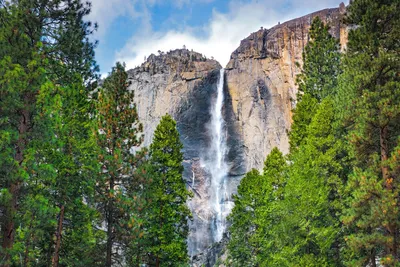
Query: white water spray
{"points": [[217, 165]]}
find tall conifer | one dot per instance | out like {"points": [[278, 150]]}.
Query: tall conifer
{"points": [[167, 213], [119, 132], [42, 44], [372, 116]]}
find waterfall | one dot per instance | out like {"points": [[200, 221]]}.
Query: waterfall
{"points": [[217, 165], [212, 185]]}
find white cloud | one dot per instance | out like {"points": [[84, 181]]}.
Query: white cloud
{"points": [[104, 13], [224, 30]]}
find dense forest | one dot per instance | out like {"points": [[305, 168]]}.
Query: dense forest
{"points": [[76, 190]]}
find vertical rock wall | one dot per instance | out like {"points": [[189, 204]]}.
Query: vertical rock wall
{"points": [[261, 85], [183, 84]]}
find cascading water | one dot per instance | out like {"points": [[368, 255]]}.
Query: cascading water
{"points": [[217, 165], [210, 181]]}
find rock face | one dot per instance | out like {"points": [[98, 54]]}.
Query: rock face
{"points": [[213, 255], [259, 95], [182, 83], [260, 80]]}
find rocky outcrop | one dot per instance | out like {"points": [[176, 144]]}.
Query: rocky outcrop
{"points": [[180, 83], [260, 81]]}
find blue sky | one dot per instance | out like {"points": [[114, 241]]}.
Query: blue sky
{"points": [[129, 30]]}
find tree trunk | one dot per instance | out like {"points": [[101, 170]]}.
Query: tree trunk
{"points": [[8, 223], [384, 156], [110, 225], [28, 243], [373, 258], [392, 249], [56, 256]]}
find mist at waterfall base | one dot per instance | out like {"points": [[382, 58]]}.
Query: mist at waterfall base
{"points": [[214, 164]]}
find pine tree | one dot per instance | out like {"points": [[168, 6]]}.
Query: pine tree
{"points": [[313, 193], [167, 214], [253, 235], [317, 80], [119, 132], [35, 38], [372, 117], [241, 246], [321, 62]]}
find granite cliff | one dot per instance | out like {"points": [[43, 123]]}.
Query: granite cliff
{"points": [[259, 95], [260, 78], [183, 84]]}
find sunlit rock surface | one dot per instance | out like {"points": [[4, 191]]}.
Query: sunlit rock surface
{"points": [[182, 83], [260, 78]]}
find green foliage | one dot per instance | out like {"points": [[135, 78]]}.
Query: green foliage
{"points": [[241, 245], [321, 62], [372, 119], [45, 131], [118, 133], [314, 189], [166, 214], [302, 116], [253, 239]]}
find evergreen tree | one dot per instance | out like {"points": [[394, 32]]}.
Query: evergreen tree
{"points": [[313, 193], [119, 133], [372, 117], [241, 246], [253, 235], [58, 198], [321, 62], [73, 154], [310, 235], [167, 214], [317, 80], [42, 43]]}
